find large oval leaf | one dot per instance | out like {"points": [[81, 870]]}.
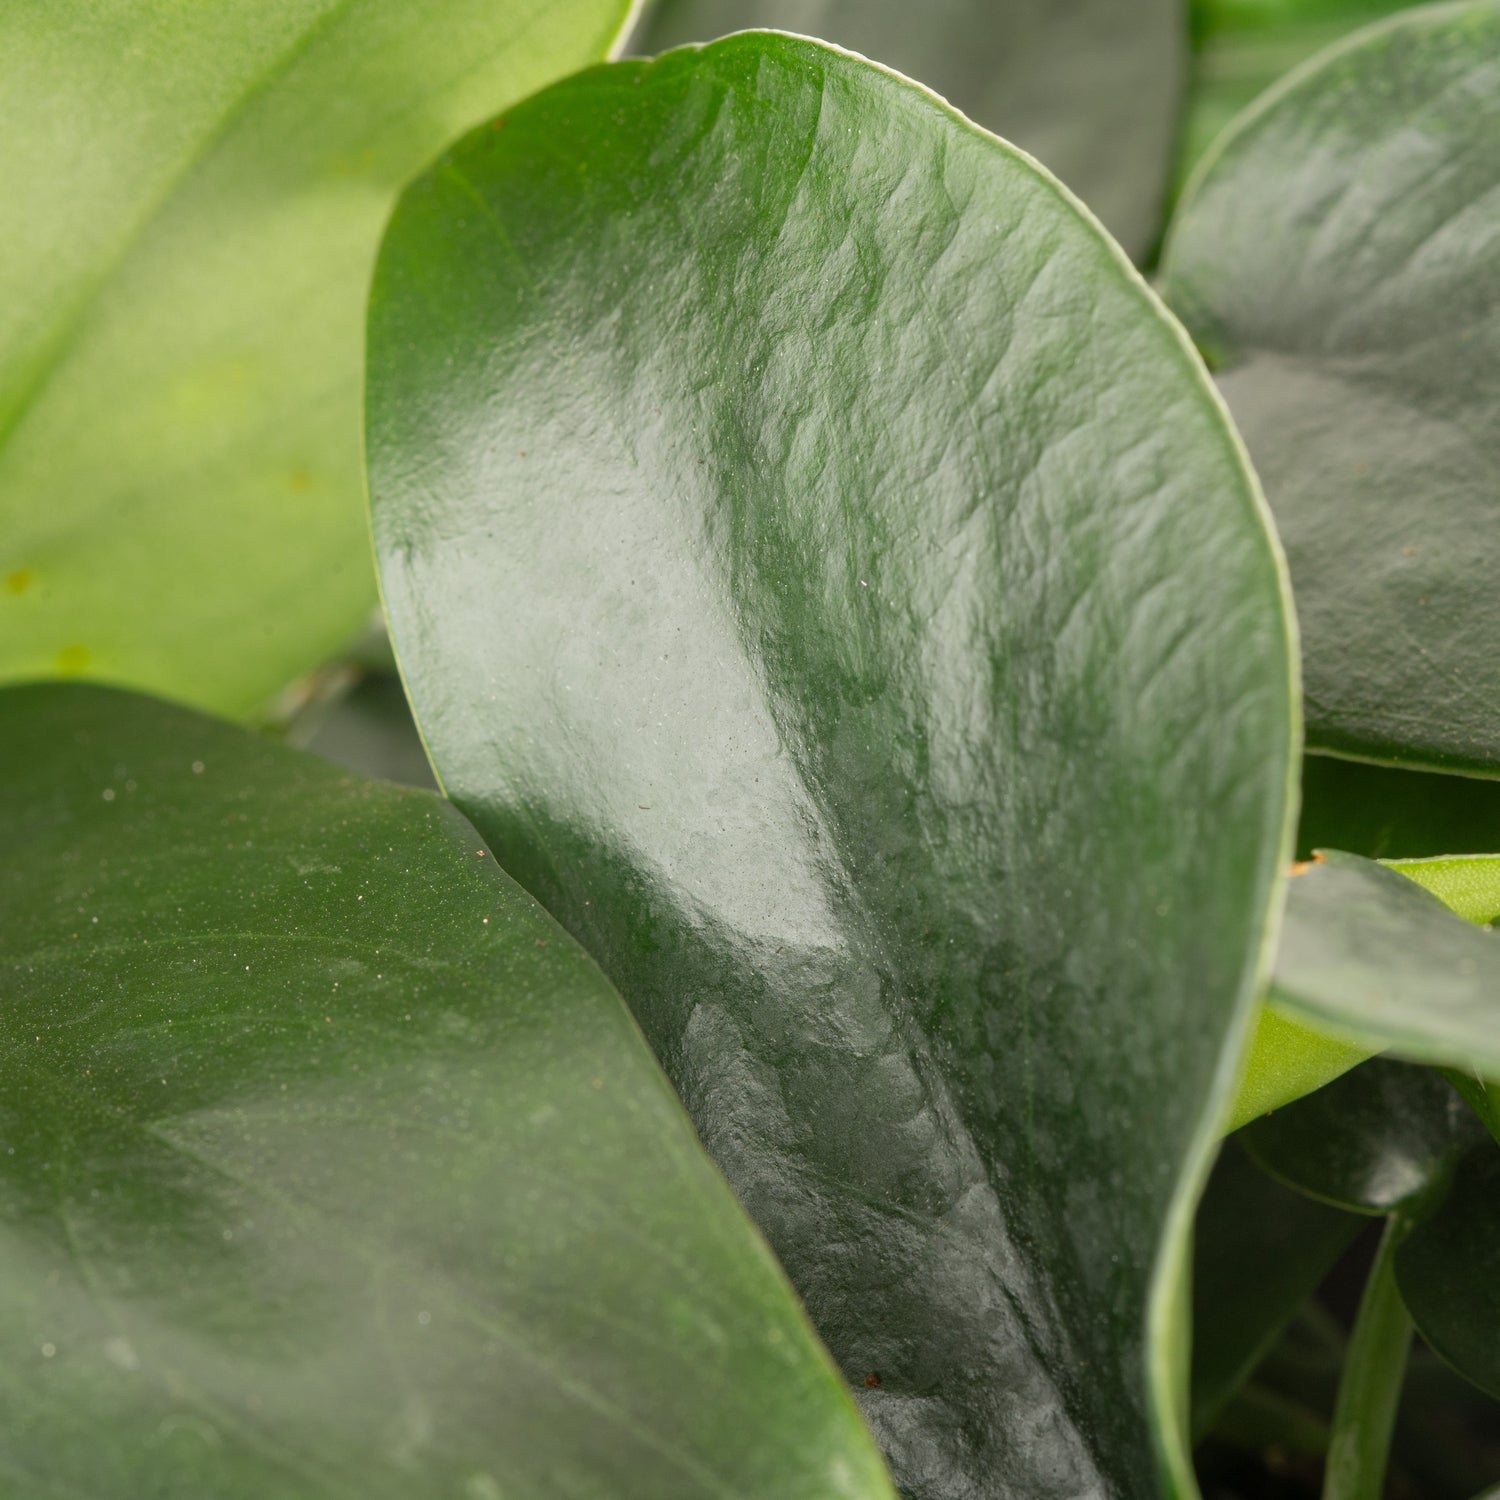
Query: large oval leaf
{"points": [[827, 574], [1092, 87], [193, 198], [1339, 259], [332, 1167]]}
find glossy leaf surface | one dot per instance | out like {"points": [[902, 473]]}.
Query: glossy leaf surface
{"points": [[330, 1166], [1387, 812], [1091, 88], [1449, 1272], [1367, 954], [1259, 1252], [1380, 1138], [193, 195], [826, 575], [1339, 261]]}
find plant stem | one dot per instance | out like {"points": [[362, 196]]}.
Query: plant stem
{"points": [[1370, 1386]]}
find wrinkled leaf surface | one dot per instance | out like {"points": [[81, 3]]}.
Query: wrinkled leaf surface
{"points": [[828, 578], [1091, 87]]}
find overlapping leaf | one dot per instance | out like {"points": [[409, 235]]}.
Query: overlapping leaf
{"points": [[1092, 87], [330, 1166], [1366, 953], [193, 195], [827, 576], [1449, 1273], [1339, 261], [1242, 47], [1376, 1140]]}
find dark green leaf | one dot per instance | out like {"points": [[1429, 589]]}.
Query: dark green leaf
{"points": [[1449, 1272], [1482, 1094], [1259, 1253], [1091, 87], [1382, 1137], [330, 1167], [1339, 260], [193, 194], [1384, 812], [826, 573]]}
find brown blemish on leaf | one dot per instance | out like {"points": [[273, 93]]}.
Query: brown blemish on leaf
{"points": [[1302, 866]]}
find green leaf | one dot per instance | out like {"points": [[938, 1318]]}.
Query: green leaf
{"points": [[1364, 1416], [1384, 812], [1286, 1060], [1366, 964], [1482, 1094], [1367, 955], [1449, 1273], [1468, 884], [330, 1166], [1259, 1252], [194, 196], [1339, 259], [1382, 1137], [1241, 47], [1092, 87], [827, 576]]}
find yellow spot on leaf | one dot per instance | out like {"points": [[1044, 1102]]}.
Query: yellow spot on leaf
{"points": [[19, 581], [73, 659]]}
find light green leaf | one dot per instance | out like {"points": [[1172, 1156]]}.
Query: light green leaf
{"points": [[331, 1167], [825, 572], [1091, 87], [193, 198], [1468, 884], [1339, 260], [1286, 1060]]}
